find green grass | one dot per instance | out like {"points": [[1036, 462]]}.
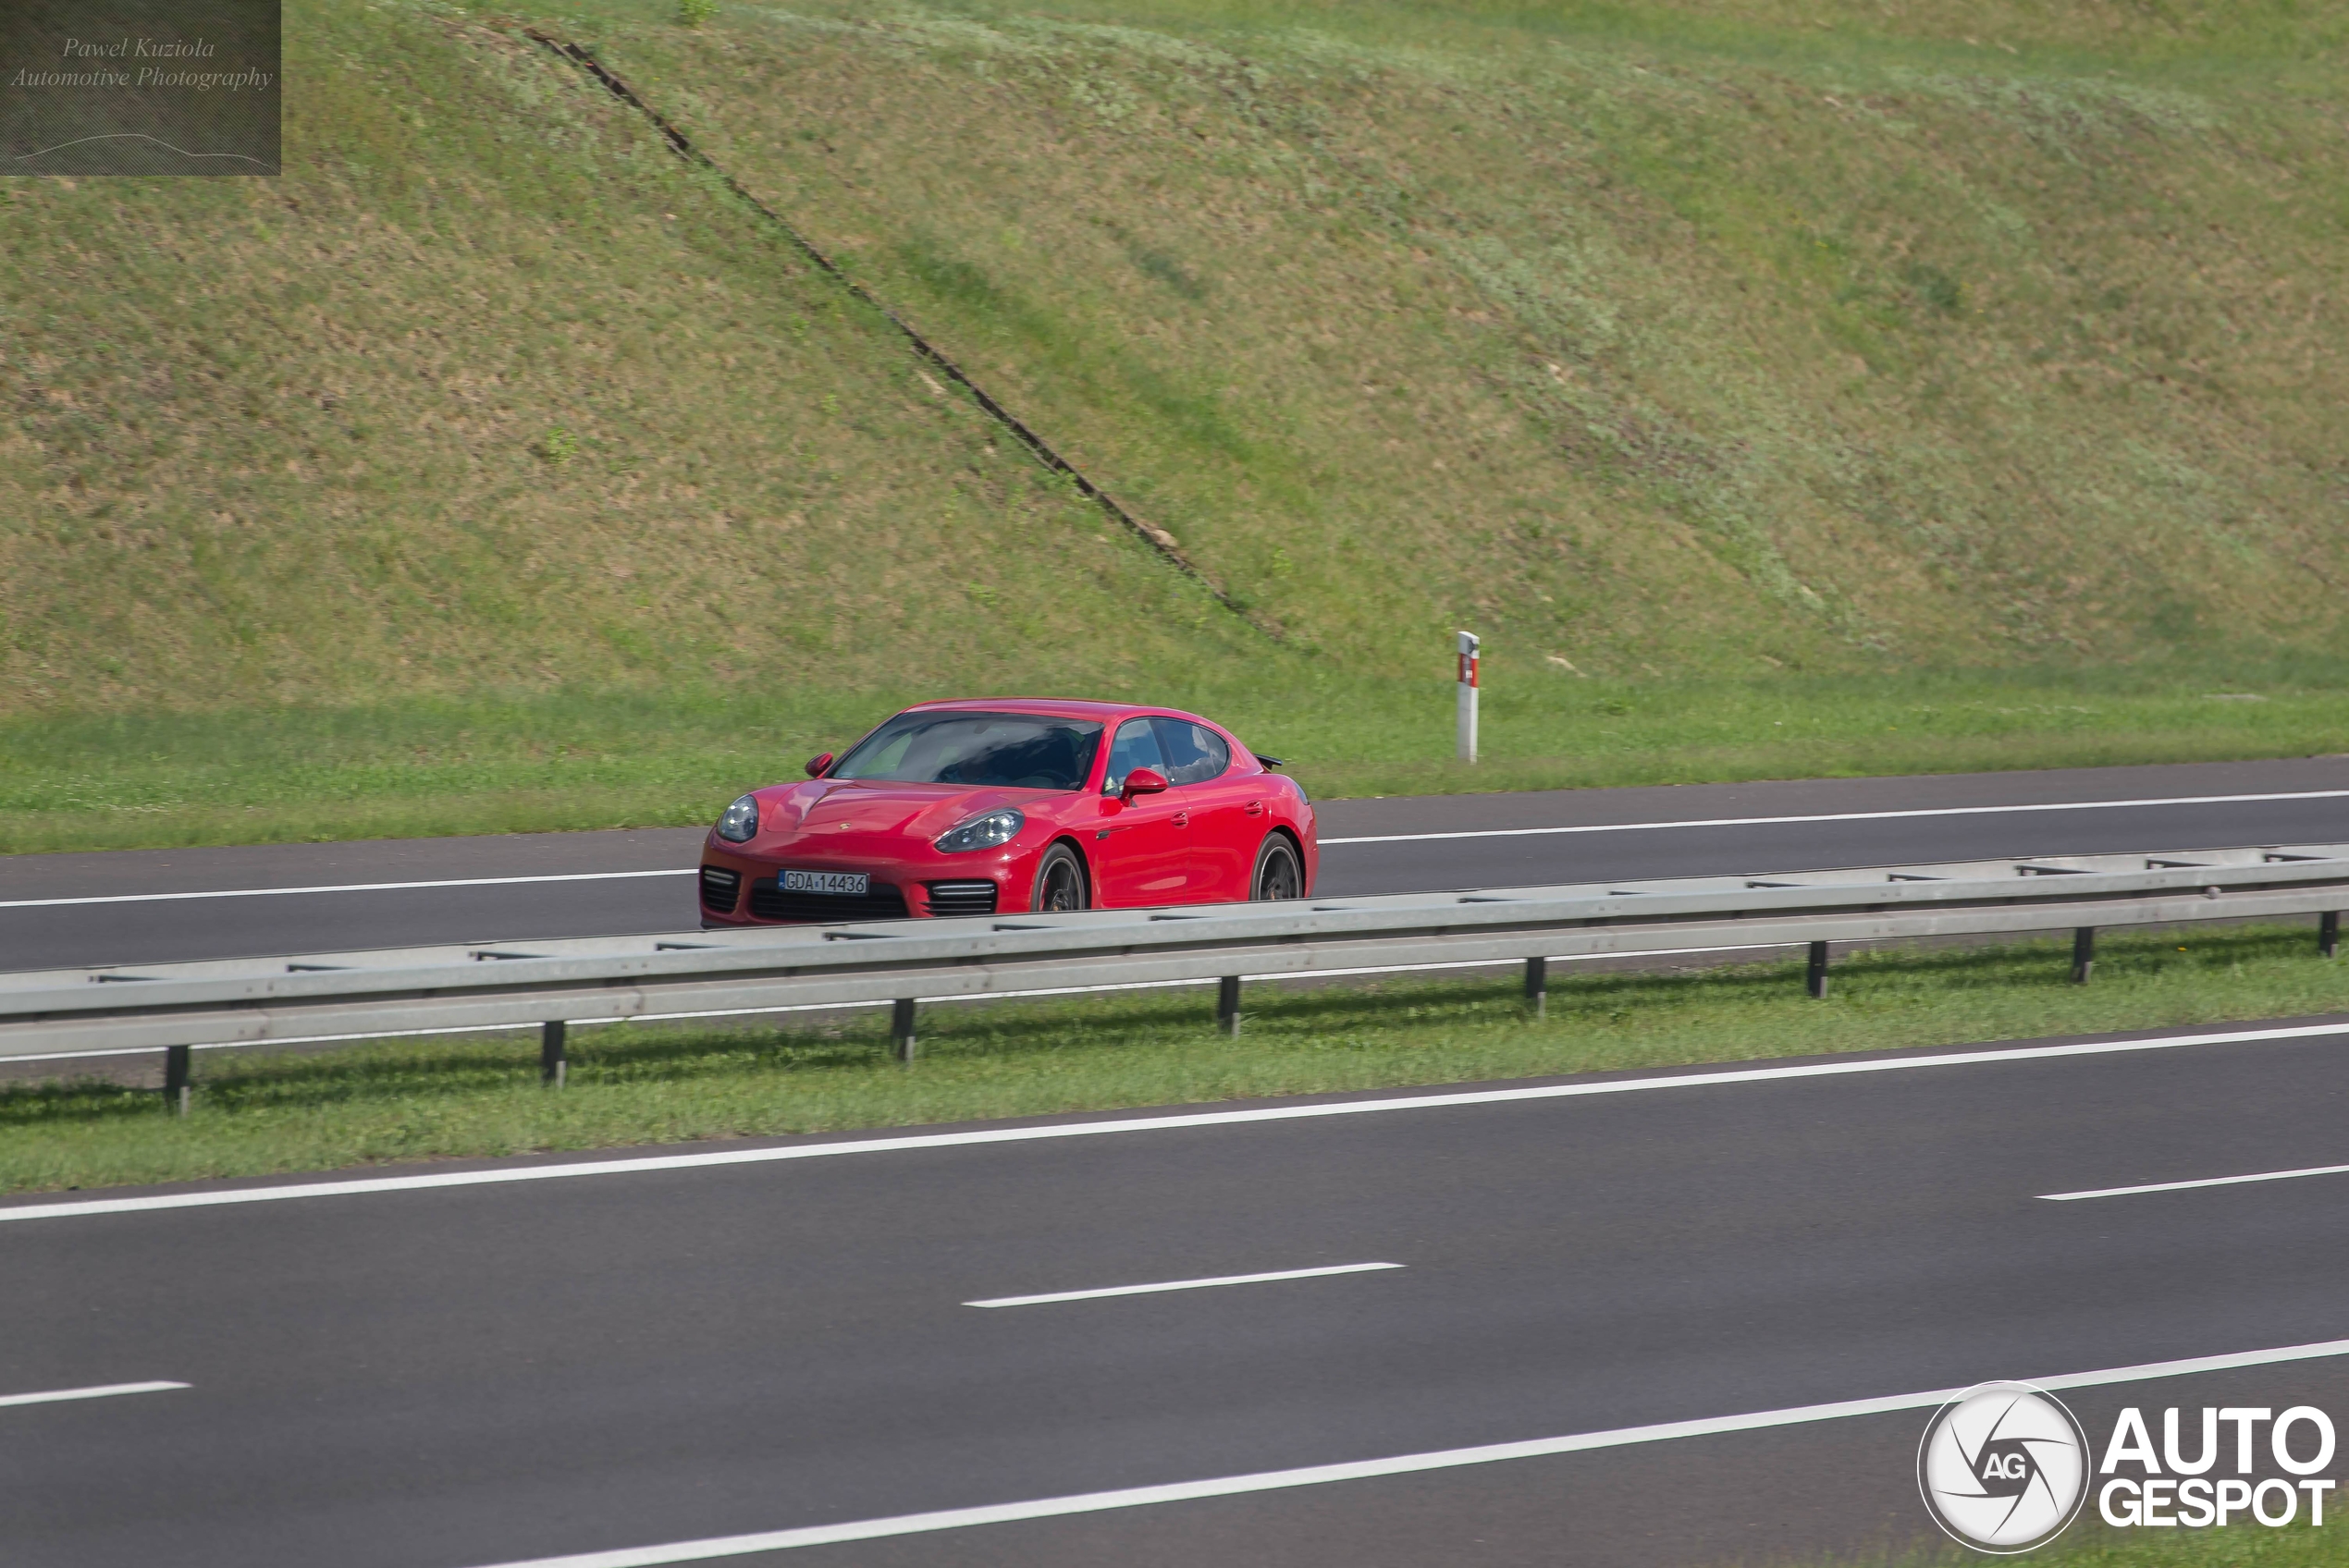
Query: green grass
{"points": [[1781, 389], [491, 393], [2090, 1543], [648, 1083], [1699, 338], [528, 762]]}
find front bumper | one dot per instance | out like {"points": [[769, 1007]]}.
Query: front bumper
{"points": [[739, 890]]}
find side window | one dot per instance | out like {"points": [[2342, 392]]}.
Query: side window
{"points": [[1194, 752], [1135, 746]]}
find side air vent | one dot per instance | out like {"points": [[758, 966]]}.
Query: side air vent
{"points": [[961, 898], [720, 890]]}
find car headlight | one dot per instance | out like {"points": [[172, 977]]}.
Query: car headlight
{"points": [[983, 832], [740, 823]]}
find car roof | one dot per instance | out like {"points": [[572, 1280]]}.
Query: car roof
{"points": [[1051, 708]]}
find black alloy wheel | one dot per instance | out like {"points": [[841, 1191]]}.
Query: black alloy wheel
{"points": [[1059, 882], [1277, 872]]}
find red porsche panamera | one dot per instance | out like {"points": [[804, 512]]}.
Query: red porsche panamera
{"points": [[996, 806]]}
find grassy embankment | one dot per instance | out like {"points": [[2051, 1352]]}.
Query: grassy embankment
{"points": [[641, 1083], [1782, 390]]}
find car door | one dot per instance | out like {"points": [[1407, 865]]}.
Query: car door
{"points": [[1140, 848], [1225, 830]]}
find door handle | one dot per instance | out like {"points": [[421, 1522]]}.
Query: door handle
{"points": [[1182, 819], [1256, 808]]}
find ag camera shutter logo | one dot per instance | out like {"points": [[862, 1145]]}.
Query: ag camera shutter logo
{"points": [[2003, 1467]]}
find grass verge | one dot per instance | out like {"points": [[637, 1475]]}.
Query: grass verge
{"points": [[638, 1083], [2091, 1544], [542, 761]]}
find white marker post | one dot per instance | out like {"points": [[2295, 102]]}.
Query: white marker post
{"points": [[1467, 695]]}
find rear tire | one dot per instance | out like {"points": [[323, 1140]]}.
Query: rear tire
{"points": [[1277, 874], [1060, 884]]}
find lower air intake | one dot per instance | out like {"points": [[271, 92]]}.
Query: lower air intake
{"points": [[720, 890], [770, 903], [961, 898]]}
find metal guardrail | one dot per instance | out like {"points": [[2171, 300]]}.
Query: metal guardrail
{"points": [[175, 1006]]}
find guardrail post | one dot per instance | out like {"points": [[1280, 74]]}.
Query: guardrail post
{"points": [[1227, 1004], [901, 1027], [1815, 975], [2084, 953], [179, 1068], [554, 1067], [2329, 933], [1537, 986]]}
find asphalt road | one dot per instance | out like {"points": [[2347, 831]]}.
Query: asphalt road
{"points": [[453, 1376], [620, 883]]}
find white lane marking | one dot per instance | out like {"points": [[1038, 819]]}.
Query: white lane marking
{"points": [[103, 1390], [531, 1029], [1368, 1469], [1181, 1285], [347, 888], [1325, 843], [1840, 817], [2206, 1181], [1141, 1124]]}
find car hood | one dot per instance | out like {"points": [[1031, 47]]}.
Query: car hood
{"points": [[865, 807]]}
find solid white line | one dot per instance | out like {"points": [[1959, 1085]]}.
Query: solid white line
{"points": [[2206, 1181], [1840, 817], [347, 888], [1181, 1285], [1368, 1469], [1142, 1124], [1325, 843], [104, 1390]]}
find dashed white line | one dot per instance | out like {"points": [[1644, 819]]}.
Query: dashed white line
{"points": [[345, 888], [2206, 1181], [101, 1391], [1837, 817], [1370, 1469], [1183, 1285], [1129, 1124]]}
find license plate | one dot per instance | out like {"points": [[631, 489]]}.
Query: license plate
{"points": [[850, 884]]}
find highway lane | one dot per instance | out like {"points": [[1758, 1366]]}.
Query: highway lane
{"points": [[623, 882], [457, 1376]]}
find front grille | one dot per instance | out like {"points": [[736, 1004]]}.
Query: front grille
{"points": [[720, 890], [768, 901], [961, 898]]}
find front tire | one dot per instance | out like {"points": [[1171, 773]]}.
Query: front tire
{"points": [[1277, 874], [1061, 882]]}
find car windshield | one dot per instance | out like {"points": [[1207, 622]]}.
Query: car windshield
{"points": [[1021, 751]]}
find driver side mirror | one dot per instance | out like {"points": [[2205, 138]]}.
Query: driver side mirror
{"points": [[816, 765], [1142, 781]]}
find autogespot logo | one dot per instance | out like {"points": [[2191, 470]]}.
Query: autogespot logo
{"points": [[2003, 1467]]}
